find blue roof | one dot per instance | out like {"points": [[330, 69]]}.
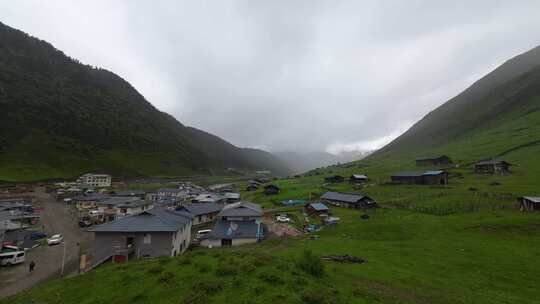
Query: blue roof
{"points": [[319, 206]]}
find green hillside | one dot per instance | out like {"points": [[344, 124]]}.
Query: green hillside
{"points": [[59, 118]]}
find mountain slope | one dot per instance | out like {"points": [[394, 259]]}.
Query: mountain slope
{"points": [[496, 114], [59, 118]]}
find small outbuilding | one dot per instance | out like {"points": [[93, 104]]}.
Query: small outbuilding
{"points": [[529, 203], [271, 189], [357, 201], [433, 161], [492, 166], [252, 187], [358, 178], [316, 209]]}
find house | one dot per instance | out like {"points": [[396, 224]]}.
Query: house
{"points": [[221, 188], [271, 189], [438, 177], [117, 207], [238, 223], [231, 197], [252, 187], [334, 179], [433, 161], [208, 198], [170, 192], [358, 178], [201, 212], [89, 201], [529, 203], [357, 201], [492, 166], [152, 233], [130, 193], [316, 209], [95, 180]]}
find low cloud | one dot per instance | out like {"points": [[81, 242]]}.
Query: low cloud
{"points": [[289, 75]]}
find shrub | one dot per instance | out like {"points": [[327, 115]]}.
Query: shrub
{"points": [[224, 269], [209, 287], [155, 270], [311, 264], [166, 278]]}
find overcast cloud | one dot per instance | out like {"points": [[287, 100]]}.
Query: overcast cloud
{"points": [[289, 75]]}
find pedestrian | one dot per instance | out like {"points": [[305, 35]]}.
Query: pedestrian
{"points": [[31, 266]]}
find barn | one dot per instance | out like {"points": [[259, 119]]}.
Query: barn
{"points": [[358, 178], [529, 203], [357, 201], [334, 179], [438, 177], [492, 166]]}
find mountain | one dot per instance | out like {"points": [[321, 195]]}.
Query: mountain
{"points": [[497, 115], [59, 118], [301, 162]]}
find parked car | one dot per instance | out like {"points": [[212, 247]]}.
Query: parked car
{"points": [[283, 219], [202, 233], [10, 255], [85, 223], [36, 235], [55, 239]]}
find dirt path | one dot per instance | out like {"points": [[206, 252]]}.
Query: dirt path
{"points": [[48, 259]]}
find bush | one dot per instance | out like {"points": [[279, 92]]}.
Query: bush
{"points": [[226, 269], [311, 264], [155, 270], [209, 287]]}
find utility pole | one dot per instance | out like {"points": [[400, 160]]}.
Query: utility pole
{"points": [[63, 260]]}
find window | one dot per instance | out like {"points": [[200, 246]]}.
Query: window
{"points": [[147, 238]]}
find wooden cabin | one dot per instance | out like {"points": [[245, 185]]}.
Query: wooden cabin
{"points": [[358, 178], [433, 161], [438, 177], [357, 201], [529, 203], [492, 166], [316, 209]]}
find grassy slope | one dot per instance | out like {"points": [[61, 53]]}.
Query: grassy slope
{"points": [[59, 118]]}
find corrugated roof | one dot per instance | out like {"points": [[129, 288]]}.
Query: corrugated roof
{"points": [[535, 199], [319, 206], [241, 209], [408, 174], [435, 172], [129, 192], [359, 176], [491, 162], [93, 197], [234, 230], [154, 220], [200, 208], [232, 195], [431, 158], [342, 197], [117, 200]]}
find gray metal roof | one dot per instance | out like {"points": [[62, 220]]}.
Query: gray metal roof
{"points": [[129, 192], [435, 172], [200, 208], [154, 220], [234, 230], [359, 176], [535, 199], [93, 197], [171, 190], [241, 209], [319, 206], [491, 162], [117, 200], [342, 197], [232, 195]]}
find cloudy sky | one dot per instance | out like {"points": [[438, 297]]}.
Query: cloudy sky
{"points": [[289, 75]]}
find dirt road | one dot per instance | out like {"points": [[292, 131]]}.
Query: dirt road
{"points": [[56, 218]]}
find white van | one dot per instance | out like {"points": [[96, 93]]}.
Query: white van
{"points": [[202, 233], [11, 255]]}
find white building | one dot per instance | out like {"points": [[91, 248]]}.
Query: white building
{"points": [[95, 180]]}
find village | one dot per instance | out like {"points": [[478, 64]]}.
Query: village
{"points": [[109, 223]]}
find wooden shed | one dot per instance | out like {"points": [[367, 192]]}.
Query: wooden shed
{"points": [[358, 178], [492, 166], [529, 203], [433, 161], [316, 209], [437, 177]]}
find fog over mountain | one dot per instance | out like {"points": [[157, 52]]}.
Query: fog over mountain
{"points": [[289, 75]]}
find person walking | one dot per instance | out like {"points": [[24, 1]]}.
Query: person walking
{"points": [[31, 266]]}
